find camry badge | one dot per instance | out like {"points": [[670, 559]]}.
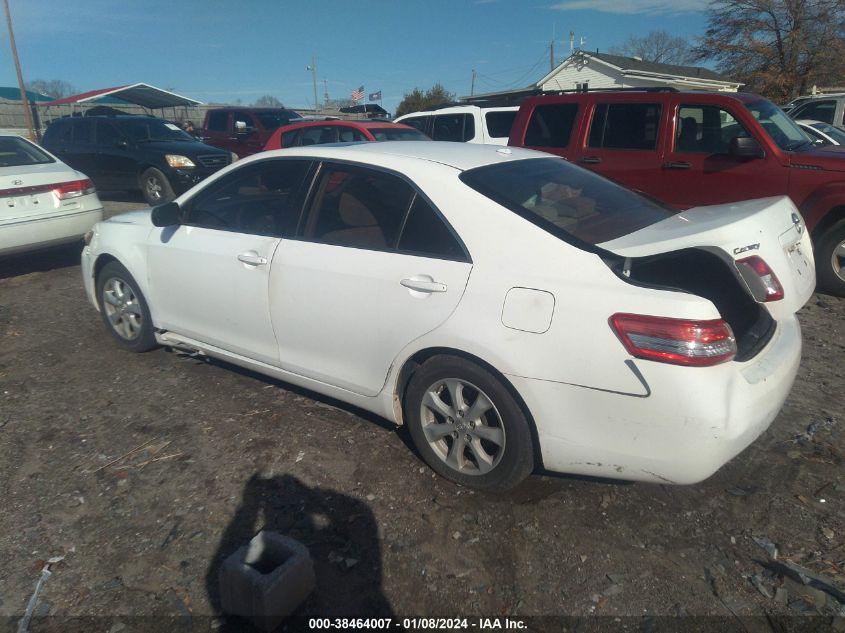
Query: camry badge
{"points": [[750, 247]]}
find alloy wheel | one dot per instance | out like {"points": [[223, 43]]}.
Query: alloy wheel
{"points": [[837, 260], [462, 426], [122, 308]]}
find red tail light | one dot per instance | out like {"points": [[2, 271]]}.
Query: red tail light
{"points": [[676, 341], [73, 189], [771, 284]]}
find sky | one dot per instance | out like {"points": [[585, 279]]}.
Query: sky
{"points": [[227, 50]]}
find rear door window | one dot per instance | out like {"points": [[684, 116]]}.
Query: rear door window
{"points": [[426, 233], [108, 134], [419, 122], [218, 121], [83, 131], [289, 139], [358, 207], [453, 127], [625, 126], [551, 125]]}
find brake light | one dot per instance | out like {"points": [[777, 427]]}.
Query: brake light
{"points": [[771, 284], [73, 189], [677, 341]]}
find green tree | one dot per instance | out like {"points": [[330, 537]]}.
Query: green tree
{"points": [[417, 100], [268, 101], [55, 88], [778, 48], [657, 46]]}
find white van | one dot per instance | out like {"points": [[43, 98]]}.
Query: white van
{"points": [[464, 123]]}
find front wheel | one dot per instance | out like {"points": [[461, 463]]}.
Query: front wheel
{"points": [[830, 260], [467, 426], [124, 309], [155, 187]]}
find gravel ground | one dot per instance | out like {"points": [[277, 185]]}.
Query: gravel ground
{"points": [[145, 471]]}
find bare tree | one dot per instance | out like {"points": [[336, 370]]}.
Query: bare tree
{"points": [[778, 48], [658, 46], [55, 88], [267, 101]]}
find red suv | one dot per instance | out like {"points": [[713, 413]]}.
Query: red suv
{"points": [[340, 131], [693, 149]]}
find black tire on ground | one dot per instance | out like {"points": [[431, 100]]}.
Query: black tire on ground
{"points": [[155, 187], [485, 441], [124, 309], [830, 260]]}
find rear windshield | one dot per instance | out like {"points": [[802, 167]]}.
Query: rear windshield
{"points": [[141, 130], [14, 151], [565, 200], [397, 134]]}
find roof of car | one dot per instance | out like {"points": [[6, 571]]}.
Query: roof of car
{"points": [[345, 123], [460, 156]]}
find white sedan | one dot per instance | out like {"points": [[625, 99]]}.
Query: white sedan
{"points": [[515, 311], [43, 202], [821, 132]]}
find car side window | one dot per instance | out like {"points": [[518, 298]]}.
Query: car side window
{"points": [[358, 207], [350, 135], [107, 134], [242, 117], [258, 199], [318, 135], [426, 233], [551, 125], [625, 126], [289, 139], [706, 129], [453, 127], [816, 110], [499, 123], [217, 121], [418, 122], [83, 131]]}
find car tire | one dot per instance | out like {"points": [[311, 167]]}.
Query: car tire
{"points": [[830, 260], [155, 187], [124, 309], [485, 442]]}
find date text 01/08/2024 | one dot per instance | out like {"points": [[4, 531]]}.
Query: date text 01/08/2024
{"points": [[414, 624]]}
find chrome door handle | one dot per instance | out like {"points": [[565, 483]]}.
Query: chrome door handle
{"points": [[677, 165], [252, 258], [423, 286], [590, 160]]}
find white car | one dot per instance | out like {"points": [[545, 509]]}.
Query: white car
{"points": [[464, 123], [514, 310], [43, 202], [821, 132]]}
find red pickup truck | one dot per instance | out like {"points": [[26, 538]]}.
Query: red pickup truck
{"points": [[693, 149], [244, 131]]}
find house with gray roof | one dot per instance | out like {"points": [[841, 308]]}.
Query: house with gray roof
{"points": [[590, 71]]}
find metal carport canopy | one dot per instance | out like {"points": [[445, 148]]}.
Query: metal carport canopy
{"points": [[140, 94]]}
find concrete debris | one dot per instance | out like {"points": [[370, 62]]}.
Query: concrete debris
{"points": [[766, 544], [807, 577], [23, 623], [757, 581]]}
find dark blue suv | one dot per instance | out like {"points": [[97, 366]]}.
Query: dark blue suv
{"points": [[134, 152]]}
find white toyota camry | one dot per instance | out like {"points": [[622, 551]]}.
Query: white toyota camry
{"points": [[515, 311], [43, 202]]}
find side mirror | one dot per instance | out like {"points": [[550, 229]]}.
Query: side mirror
{"points": [[166, 215], [241, 128], [746, 147]]}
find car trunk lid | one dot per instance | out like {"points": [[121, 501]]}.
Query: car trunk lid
{"points": [[769, 228], [30, 194]]}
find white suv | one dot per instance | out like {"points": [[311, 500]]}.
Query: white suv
{"points": [[464, 123]]}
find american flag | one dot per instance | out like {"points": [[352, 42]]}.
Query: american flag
{"points": [[358, 94]]}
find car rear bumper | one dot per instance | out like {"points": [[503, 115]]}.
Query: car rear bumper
{"points": [[40, 232], [687, 424]]}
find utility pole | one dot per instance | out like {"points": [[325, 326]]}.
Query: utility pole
{"points": [[552, 56], [313, 69], [325, 91], [472, 85], [26, 112]]}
